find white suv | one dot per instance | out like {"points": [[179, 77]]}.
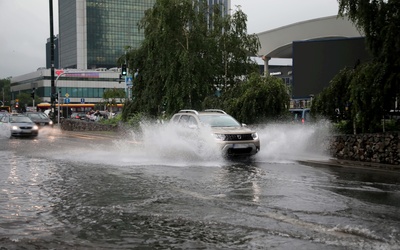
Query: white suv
{"points": [[235, 139]]}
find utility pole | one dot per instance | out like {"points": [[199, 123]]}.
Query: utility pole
{"points": [[53, 88]]}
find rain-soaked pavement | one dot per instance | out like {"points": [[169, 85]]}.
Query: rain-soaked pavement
{"points": [[67, 190]]}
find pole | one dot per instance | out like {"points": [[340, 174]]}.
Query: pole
{"points": [[58, 115], [53, 88], [58, 98]]}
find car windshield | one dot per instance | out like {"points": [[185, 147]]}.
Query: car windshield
{"points": [[20, 119], [296, 115], [37, 116], [219, 120]]}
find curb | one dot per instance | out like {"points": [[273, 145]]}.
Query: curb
{"points": [[353, 164]]}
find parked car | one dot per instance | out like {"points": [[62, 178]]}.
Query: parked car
{"points": [[40, 118], [79, 116], [234, 139], [3, 113], [300, 115], [19, 125]]}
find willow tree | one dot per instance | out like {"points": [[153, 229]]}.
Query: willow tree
{"points": [[189, 50], [379, 21], [259, 99]]}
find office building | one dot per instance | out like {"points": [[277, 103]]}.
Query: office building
{"points": [[48, 53], [94, 34]]}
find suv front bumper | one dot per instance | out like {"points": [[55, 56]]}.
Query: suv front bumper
{"points": [[240, 149]]}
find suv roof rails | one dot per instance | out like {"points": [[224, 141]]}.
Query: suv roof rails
{"points": [[215, 110], [188, 111]]}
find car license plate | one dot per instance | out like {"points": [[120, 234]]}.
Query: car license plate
{"points": [[240, 145], [41, 124]]}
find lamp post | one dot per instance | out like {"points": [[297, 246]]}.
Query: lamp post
{"points": [[52, 56]]}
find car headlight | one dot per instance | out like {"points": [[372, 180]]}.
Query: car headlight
{"points": [[50, 122], [35, 127], [255, 136], [14, 127], [220, 137]]}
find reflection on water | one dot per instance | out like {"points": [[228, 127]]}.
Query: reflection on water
{"points": [[162, 190]]}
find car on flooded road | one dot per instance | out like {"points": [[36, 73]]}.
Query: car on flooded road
{"points": [[40, 119], [18, 125], [234, 138], [79, 116], [300, 115]]}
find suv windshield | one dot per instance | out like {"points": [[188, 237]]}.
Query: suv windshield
{"points": [[219, 120]]}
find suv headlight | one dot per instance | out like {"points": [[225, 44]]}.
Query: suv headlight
{"points": [[50, 122], [255, 136], [35, 127], [220, 137]]}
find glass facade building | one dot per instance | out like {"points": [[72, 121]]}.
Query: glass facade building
{"points": [[94, 33]]}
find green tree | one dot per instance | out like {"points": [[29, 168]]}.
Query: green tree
{"points": [[335, 96], [379, 20], [5, 94], [111, 96], [257, 100], [188, 52]]}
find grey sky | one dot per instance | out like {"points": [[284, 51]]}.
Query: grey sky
{"points": [[25, 26]]}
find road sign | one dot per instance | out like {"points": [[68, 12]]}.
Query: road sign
{"points": [[128, 81], [82, 100], [67, 95], [66, 100]]}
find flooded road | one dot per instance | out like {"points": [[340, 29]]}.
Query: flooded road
{"points": [[82, 191]]}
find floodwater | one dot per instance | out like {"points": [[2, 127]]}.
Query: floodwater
{"points": [[166, 189]]}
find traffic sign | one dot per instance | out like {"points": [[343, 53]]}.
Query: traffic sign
{"points": [[66, 100], [128, 81], [82, 100], [67, 95]]}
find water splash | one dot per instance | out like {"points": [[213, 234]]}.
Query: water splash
{"points": [[290, 142], [171, 145]]}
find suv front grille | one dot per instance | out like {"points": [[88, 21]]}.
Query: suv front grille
{"points": [[238, 137]]}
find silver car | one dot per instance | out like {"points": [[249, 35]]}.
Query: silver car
{"points": [[19, 126], [234, 139]]}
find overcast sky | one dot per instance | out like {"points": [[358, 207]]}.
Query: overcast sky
{"points": [[25, 26]]}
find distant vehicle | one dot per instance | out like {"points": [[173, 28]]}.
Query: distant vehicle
{"points": [[3, 113], [19, 126], [79, 116], [234, 139], [40, 118], [5, 108], [300, 115]]}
